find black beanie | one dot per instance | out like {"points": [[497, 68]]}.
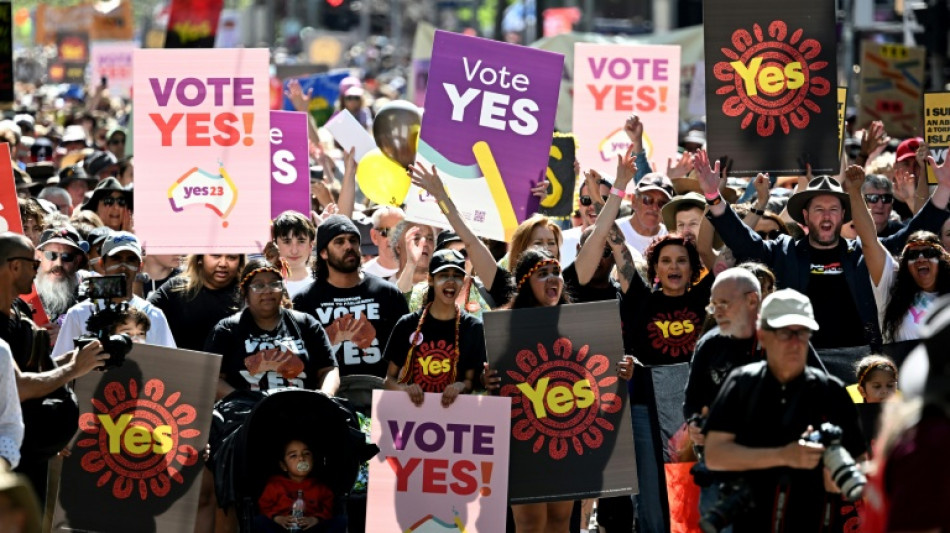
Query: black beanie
{"points": [[333, 226]]}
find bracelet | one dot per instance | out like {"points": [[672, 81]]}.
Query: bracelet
{"points": [[759, 212], [444, 208], [714, 201], [618, 192], [711, 195]]}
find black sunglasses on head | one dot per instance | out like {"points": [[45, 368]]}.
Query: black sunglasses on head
{"points": [[587, 200], [875, 198]]}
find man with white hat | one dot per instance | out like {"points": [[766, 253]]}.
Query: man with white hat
{"points": [[60, 252]]}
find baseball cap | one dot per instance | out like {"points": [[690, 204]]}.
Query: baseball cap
{"points": [[655, 181], [908, 148], [98, 235], [446, 259], [121, 241], [66, 235], [354, 91], [445, 237], [788, 307]]}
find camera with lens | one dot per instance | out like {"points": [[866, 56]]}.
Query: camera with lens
{"points": [[735, 498], [98, 325], [845, 473]]}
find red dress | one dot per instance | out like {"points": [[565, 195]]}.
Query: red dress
{"points": [[280, 493]]}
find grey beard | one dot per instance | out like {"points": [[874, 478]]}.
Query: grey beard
{"points": [[57, 296]]}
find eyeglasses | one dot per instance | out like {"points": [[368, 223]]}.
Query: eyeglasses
{"points": [[383, 231], [649, 200], [110, 200], [67, 257], [711, 308], [36, 264], [875, 198], [587, 200], [931, 254], [785, 334], [273, 286], [769, 235]]}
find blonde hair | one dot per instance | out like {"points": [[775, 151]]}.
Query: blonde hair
{"points": [[521, 239]]}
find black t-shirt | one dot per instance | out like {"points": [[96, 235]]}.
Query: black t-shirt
{"points": [[290, 355], [433, 357], [357, 320], [152, 285], [762, 413], [714, 358], [192, 319], [588, 293], [501, 287], [838, 320]]}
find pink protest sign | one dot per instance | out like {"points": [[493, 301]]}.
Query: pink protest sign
{"points": [[614, 81], [202, 180], [438, 468], [112, 60], [290, 163]]}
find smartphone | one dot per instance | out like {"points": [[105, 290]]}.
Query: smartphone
{"points": [[104, 82], [106, 287]]}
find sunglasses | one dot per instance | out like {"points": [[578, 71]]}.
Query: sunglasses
{"points": [[111, 200], [36, 264], [116, 141], [769, 235], [67, 257], [927, 253], [587, 200], [875, 198], [649, 200], [785, 334]]}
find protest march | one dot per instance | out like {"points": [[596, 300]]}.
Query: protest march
{"points": [[494, 268]]}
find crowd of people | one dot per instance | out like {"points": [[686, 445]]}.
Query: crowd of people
{"points": [[747, 294]]}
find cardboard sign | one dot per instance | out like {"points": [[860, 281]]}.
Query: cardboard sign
{"points": [[347, 131], [570, 434], [72, 56], [9, 206], [842, 106], [614, 81], [202, 150], [193, 23], [770, 72], [488, 126], [937, 129], [438, 468], [892, 78], [113, 61], [290, 163], [142, 429], [560, 172]]}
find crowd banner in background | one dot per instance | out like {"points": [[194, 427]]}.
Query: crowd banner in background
{"points": [[488, 125], [560, 172], [891, 86], [770, 80], [438, 468], [72, 56], [113, 61], [614, 81], [113, 21], [570, 433], [324, 91], [937, 128], [290, 163], [202, 183], [193, 23], [135, 464]]}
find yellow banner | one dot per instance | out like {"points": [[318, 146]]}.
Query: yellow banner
{"points": [[842, 105]]}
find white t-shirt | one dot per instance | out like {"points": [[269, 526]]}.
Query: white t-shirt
{"points": [[11, 417], [296, 287], [638, 242], [75, 325], [916, 314], [373, 267]]}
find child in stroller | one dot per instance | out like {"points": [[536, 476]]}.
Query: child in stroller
{"points": [[282, 490]]}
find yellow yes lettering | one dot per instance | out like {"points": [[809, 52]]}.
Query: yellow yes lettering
{"points": [[772, 79], [559, 399], [135, 439]]}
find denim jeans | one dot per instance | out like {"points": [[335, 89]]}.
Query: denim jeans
{"points": [[650, 512]]}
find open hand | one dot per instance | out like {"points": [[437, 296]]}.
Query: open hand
{"points": [[682, 168], [427, 180], [295, 93], [708, 175]]}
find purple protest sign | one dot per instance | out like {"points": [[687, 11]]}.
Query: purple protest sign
{"points": [[488, 125], [289, 163]]}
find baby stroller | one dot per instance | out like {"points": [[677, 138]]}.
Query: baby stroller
{"points": [[250, 426]]}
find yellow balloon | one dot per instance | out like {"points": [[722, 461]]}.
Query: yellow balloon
{"points": [[381, 179]]}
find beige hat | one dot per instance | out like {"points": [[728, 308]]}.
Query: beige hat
{"points": [[788, 307], [19, 490]]}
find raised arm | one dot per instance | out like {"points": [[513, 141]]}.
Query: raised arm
{"points": [[634, 130], [482, 260], [589, 256], [301, 103], [874, 253], [348, 187]]}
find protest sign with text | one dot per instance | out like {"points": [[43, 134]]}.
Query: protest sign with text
{"points": [[113, 61], [892, 78], [290, 163], [770, 73], [570, 434], [560, 173], [614, 81], [142, 428], [937, 128], [202, 182], [438, 468], [488, 126]]}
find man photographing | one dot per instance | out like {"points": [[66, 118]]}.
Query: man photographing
{"points": [[758, 423]]}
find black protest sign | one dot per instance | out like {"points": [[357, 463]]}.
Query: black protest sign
{"points": [[560, 172], [142, 429], [571, 434], [770, 79], [72, 56], [6, 52]]}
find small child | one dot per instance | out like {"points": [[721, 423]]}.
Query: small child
{"points": [[877, 378], [121, 319], [280, 493]]}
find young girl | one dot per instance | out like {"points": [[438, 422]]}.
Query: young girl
{"points": [[280, 493], [440, 347], [877, 378]]}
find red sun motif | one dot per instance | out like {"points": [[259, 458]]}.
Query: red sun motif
{"points": [[771, 79], [117, 444], [572, 410]]}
